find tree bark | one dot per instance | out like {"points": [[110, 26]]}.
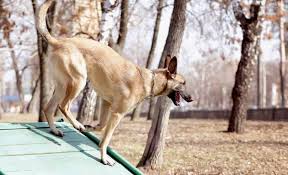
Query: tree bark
{"points": [[264, 87], [108, 20], [137, 111], [88, 21], [86, 110], [35, 93], [151, 110], [251, 28], [155, 34], [282, 53], [97, 110], [42, 52], [88, 107], [18, 75], [259, 76], [6, 26], [123, 29], [152, 157]]}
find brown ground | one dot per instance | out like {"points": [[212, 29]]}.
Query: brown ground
{"points": [[200, 146]]}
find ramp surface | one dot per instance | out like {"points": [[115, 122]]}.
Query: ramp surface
{"points": [[29, 148]]}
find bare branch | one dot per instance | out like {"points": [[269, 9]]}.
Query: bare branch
{"points": [[198, 21], [238, 12]]}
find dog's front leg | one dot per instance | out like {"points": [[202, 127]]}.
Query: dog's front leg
{"points": [[111, 125]]}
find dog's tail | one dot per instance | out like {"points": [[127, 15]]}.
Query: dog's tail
{"points": [[41, 23]]}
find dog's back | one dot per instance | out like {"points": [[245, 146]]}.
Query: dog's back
{"points": [[109, 72]]}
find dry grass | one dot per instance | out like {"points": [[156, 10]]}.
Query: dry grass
{"points": [[200, 146], [7, 117]]}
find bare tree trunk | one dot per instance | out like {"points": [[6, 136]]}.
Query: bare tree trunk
{"points": [[18, 75], [282, 52], [259, 75], [152, 102], [136, 112], [31, 104], [6, 28], [264, 86], [123, 29], [88, 21], [108, 20], [42, 52], [97, 111], [155, 34], [152, 106], [86, 110], [87, 105], [251, 28], [152, 157], [88, 102]]}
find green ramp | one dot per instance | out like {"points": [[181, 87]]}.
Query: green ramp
{"points": [[29, 148]]}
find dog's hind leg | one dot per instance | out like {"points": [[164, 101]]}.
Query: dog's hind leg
{"points": [[72, 91], [104, 116], [51, 107]]}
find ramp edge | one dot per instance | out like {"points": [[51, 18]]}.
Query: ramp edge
{"points": [[116, 156]]}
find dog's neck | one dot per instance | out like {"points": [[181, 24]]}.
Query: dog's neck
{"points": [[157, 83]]}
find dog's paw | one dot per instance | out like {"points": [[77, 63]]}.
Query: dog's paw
{"points": [[79, 127], [82, 128], [108, 161], [57, 132]]}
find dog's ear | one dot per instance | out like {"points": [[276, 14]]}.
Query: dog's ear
{"points": [[167, 61], [172, 66]]}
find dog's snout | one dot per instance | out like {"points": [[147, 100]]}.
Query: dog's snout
{"points": [[188, 98]]}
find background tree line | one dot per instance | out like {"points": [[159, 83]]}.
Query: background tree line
{"points": [[145, 32]]}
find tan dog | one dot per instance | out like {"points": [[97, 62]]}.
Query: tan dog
{"points": [[120, 83]]}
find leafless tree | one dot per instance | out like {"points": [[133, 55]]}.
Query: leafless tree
{"points": [[97, 111], [251, 28], [89, 108], [6, 25], [137, 111], [85, 113], [42, 46], [87, 25], [282, 52], [152, 157], [35, 90], [123, 28]]}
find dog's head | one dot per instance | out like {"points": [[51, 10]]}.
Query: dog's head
{"points": [[176, 84]]}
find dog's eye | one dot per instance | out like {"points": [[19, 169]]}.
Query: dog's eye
{"points": [[184, 82]]}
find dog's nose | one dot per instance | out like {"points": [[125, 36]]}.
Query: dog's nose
{"points": [[189, 98]]}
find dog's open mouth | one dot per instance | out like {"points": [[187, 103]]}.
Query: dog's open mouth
{"points": [[175, 97]]}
